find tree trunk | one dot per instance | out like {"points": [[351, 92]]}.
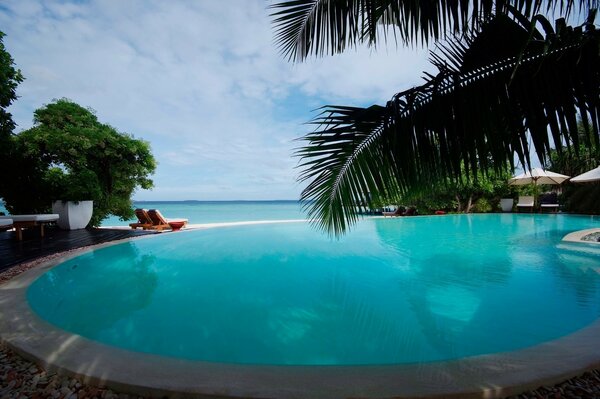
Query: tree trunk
{"points": [[469, 204], [459, 204]]}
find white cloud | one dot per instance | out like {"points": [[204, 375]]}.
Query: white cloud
{"points": [[362, 74], [201, 80]]}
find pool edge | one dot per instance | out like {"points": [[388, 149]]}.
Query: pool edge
{"points": [[486, 376], [577, 236]]}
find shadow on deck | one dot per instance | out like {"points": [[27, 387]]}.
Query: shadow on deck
{"points": [[13, 252]]}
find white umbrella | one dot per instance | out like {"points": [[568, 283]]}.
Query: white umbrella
{"points": [[591, 175], [537, 176]]}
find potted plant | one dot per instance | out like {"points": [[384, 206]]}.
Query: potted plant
{"points": [[507, 204], [73, 215], [507, 195], [73, 205]]}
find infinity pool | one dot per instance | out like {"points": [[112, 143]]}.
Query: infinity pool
{"points": [[392, 291]]}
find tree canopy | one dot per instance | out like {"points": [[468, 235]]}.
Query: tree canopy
{"points": [[580, 198], [467, 195], [69, 155], [10, 77], [510, 78]]}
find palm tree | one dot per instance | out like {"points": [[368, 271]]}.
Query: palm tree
{"points": [[505, 74]]}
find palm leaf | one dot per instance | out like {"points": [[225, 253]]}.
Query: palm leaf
{"points": [[468, 118], [318, 27]]}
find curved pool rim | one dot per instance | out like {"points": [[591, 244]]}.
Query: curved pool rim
{"points": [[483, 376]]}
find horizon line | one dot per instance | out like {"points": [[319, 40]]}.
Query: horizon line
{"points": [[220, 200]]}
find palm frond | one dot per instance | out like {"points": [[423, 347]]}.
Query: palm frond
{"points": [[469, 117], [319, 27]]}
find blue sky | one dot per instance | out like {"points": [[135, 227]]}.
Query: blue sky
{"points": [[200, 80]]}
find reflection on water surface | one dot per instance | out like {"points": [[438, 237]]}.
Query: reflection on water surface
{"points": [[393, 291]]}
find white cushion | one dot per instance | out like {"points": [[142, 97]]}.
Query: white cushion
{"points": [[48, 217], [525, 200]]}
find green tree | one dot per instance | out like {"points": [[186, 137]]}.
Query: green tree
{"points": [[10, 77], [581, 156], [580, 198], [69, 155], [510, 75], [465, 196]]}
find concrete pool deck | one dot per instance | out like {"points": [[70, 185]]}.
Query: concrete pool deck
{"points": [[485, 376]]}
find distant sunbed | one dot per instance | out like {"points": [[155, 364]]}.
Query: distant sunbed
{"points": [[526, 202], [159, 222], [549, 202], [398, 212], [401, 211], [144, 221], [411, 211], [23, 221]]}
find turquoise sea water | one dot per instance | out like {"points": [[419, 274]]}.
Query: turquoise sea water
{"points": [[392, 291], [198, 212]]}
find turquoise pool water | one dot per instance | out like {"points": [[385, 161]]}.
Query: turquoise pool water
{"points": [[392, 291]]}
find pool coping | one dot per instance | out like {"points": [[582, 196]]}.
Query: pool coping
{"points": [[485, 376], [577, 236]]}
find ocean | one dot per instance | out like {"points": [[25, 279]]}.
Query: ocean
{"points": [[198, 212]]}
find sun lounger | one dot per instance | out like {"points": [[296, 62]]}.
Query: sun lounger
{"points": [[23, 221], [525, 202], [159, 222], [549, 202], [398, 212], [411, 211], [144, 220]]}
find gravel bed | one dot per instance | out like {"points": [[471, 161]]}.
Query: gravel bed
{"points": [[22, 379], [595, 237]]}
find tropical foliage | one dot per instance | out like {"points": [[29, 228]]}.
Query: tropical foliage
{"points": [[501, 86], [576, 162], [579, 198], [69, 155], [10, 77], [464, 196], [318, 27]]}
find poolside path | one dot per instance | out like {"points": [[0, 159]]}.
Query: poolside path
{"points": [[13, 252]]}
